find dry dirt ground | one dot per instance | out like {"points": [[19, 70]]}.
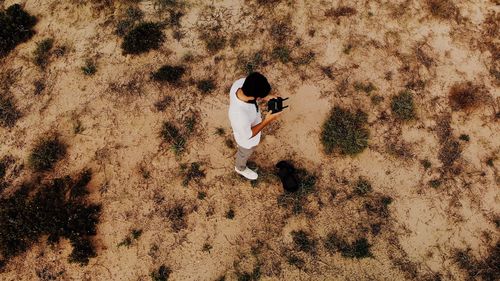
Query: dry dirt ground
{"points": [[395, 45]]}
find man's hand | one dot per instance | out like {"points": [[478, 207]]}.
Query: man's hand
{"points": [[272, 116], [269, 97]]}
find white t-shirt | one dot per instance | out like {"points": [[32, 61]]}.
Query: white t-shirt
{"points": [[243, 117]]}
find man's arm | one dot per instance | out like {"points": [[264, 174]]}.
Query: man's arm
{"points": [[268, 119]]}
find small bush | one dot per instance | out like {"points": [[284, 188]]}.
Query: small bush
{"points": [[303, 242], [46, 153], [296, 261], [39, 87], [134, 14], [16, 28], [345, 131], [280, 31], [220, 131], [363, 187], [42, 52], [484, 269], [426, 163], [449, 153], [465, 96], [249, 276], [134, 235], [161, 274], [230, 214], [201, 195], [282, 54], [402, 105], [177, 217], [55, 209], [376, 99], [89, 68], [464, 137], [214, 42], [435, 183], [8, 112], [171, 134], [169, 73], [206, 86], [142, 38]]}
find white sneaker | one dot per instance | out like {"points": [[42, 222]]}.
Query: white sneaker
{"points": [[247, 173]]}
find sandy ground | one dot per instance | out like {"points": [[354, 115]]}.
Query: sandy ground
{"points": [[425, 226]]}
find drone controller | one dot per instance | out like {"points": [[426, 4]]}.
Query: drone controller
{"points": [[276, 105]]}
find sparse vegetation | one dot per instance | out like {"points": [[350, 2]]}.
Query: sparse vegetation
{"points": [[142, 38], [16, 28], [56, 209], [133, 236], [282, 54], [345, 131], [402, 105], [193, 172], [220, 131], [367, 88], [342, 11], [46, 153], [172, 135], [435, 183], [161, 274], [443, 9], [169, 73], [252, 62], [426, 164], [162, 104], [201, 195], [177, 217], [9, 114], [486, 269], [464, 137], [42, 52], [359, 249]]}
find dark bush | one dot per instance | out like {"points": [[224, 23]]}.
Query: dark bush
{"points": [[142, 38], [161, 274], [464, 96], [486, 269], [177, 217], [367, 88], [464, 137], [169, 73], [8, 112], [402, 105], [55, 209], [302, 242], [89, 68], [16, 28], [345, 131], [46, 153], [192, 173], [230, 214], [206, 86], [449, 152]]}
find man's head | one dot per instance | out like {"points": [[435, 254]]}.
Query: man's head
{"points": [[256, 85]]}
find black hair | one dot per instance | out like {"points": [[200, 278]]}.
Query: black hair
{"points": [[256, 85]]}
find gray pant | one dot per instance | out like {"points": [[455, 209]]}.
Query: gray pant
{"points": [[242, 156]]}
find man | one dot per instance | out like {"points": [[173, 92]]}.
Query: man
{"points": [[246, 121]]}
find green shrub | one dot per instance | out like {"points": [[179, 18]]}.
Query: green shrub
{"points": [[16, 28], [169, 73], [142, 38], [206, 86], [345, 131], [464, 137], [252, 62], [282, 54], [171, 134], [9, 114], [402, 105], [435, 183], [426, 163], [161, 274], [55, 209], [89, 68], [42, 52], [46, 153]]}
